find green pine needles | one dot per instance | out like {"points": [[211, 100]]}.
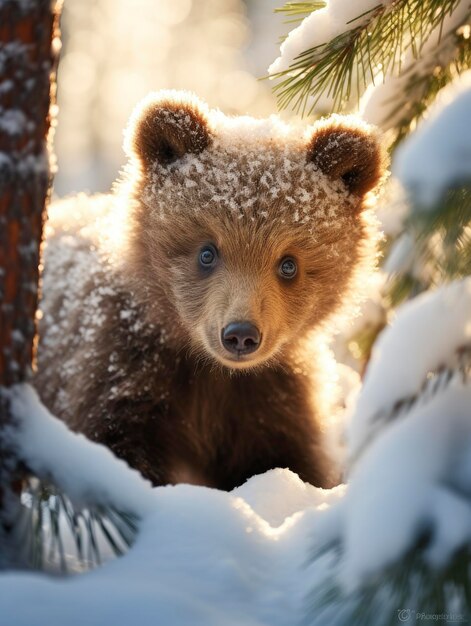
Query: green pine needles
{"points": [[373, 45], [299, 10]]}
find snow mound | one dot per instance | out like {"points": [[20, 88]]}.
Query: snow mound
{"points": [[201, 556]]}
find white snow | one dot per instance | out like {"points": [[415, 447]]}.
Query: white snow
{"points": [[339, 16], [13, 122], [201, 556], [427, 331], [408, 481], [87, 472], [379, 105], [438, 154], [208, 557]]}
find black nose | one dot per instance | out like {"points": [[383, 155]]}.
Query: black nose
{"points": [[240, 337]]}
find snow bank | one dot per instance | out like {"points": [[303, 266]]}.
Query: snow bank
{"points": [[320, 27], [438, 154], [201, 556]]}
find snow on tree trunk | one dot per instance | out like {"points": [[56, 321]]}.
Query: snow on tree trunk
{"points": [[29, 46]]}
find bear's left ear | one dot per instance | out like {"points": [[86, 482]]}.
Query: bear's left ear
{"points": [[348, 151], [165, 126]]}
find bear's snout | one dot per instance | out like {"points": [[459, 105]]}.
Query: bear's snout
{"points": [[241, 338]]}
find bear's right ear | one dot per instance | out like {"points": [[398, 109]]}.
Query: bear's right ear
{"points": [[165, 126]]}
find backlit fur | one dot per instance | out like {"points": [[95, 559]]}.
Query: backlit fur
{"points": [[131, 350]]}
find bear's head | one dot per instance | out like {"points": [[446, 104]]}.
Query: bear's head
{"points": [[252, 231]]}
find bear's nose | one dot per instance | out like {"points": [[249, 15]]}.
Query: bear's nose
{"points": [[240, 337]]}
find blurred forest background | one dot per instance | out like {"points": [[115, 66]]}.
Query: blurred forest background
{"points": [[116, 51]]}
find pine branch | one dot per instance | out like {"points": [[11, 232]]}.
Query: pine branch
{"points": [[404, 591], [442, 245], [342, 68], [435, 382], [426, 87], [299, 10], [57, 535]]}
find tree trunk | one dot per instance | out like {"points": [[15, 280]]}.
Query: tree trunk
{"points": [[29, 47]]}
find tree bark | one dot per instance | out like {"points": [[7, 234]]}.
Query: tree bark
{"points": [[29, 47]]}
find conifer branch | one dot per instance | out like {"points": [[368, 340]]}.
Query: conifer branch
{"points": [[442, 245], [55, 533], [299, 10], [406, 588], [342, 68], [435, 382]]}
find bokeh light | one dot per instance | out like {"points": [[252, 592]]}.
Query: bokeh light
{"points": [[116, 51]]}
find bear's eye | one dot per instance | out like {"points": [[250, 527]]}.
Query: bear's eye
{"points": [[288, 268], [208, 256]]}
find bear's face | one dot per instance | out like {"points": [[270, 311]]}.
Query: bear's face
{"points": [[250, 230]]}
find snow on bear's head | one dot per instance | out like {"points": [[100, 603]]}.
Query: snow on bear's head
{"points": [[251, 230]]}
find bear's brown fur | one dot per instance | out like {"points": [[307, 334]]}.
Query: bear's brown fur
{"points": [[131, 349]]}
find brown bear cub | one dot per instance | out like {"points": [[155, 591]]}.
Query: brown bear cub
{"points": [[179, 312]]}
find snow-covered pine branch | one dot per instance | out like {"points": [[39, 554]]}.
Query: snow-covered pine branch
{"points": [[401, 538], [78, 492], [337, 52], [434, 166], [401, 99]]}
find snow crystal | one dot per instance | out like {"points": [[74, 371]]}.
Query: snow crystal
{"points": [[13, 122]]}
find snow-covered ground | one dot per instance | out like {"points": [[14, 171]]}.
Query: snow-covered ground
{"points": [[201, 556]]}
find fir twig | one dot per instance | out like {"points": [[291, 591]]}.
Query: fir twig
{"points": [[422, 88], [442, 244]]}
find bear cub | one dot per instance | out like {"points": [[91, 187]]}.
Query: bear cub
{"points": [[180, 313]]}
